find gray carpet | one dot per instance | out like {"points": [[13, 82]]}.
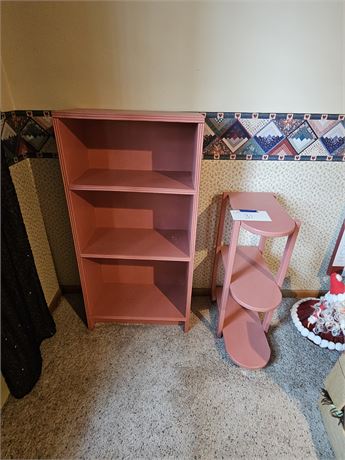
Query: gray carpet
{"points": [[142, 392]]}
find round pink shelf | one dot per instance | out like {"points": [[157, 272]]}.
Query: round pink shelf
{"points": [[282, 224], [252, 284], [244, 338]]}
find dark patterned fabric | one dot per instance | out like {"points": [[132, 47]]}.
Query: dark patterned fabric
{"points": [[25, 318]]}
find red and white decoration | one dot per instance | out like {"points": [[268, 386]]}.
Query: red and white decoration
{"points": [[323, 320]]}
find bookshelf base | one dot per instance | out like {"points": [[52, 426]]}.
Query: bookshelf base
{"points": [[137, 303]]}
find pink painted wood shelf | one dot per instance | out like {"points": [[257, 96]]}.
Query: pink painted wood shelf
{"points": [[131, 181], [176, 182], [243, 337], [136, 290], [136, 302], [130, 115], [138, 243], [250, 269], [281, 225], [249, 287]]}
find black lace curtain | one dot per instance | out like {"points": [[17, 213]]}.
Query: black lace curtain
{"points": [[25, 318]]}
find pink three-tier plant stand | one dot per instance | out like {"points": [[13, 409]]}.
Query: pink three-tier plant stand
{"points": [[249, 287]]}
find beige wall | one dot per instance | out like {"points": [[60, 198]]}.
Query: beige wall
{"points": [[310, 191], [227, 56], [245, 56], [7, 102]]}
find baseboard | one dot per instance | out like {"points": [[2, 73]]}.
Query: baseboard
{"points": [[299, 294], [55, 301], [70, 288], [203, 292]]}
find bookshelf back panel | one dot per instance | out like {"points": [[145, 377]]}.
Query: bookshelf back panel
{"points": [[132, 210], [138, 271]]}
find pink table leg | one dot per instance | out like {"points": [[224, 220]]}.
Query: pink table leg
{"points": [[283, 269], [262, 244], [227, 277], [220, 229]]}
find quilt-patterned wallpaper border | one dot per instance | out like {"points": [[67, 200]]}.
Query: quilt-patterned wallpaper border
{"points": [[227, 136], [27, 134], [274, 136]]}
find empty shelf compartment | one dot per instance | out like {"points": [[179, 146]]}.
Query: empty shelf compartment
{"points": [[129, 155], [133, 225], [136, 291]]}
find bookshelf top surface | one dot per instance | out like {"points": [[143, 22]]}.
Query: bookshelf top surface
{"points": [[130, 115]]}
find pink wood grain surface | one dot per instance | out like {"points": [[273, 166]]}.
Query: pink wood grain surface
{"points": [[72, 151], [135, 303], [113, 224], [244, 337], [173, 182], [220, 229], [136, 291], [137, 210], [127, 145], [104, 154], [140, 146], [193, 217], [132, 115], [281, 225], [284, 264], [64, 147], [228, 262], [252, 285], [138, 243], [249, 287]]}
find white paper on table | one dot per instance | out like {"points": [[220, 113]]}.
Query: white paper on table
{"points": [[254, 216]]}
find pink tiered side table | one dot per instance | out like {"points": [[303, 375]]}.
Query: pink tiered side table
{"points": [[249, 287]]}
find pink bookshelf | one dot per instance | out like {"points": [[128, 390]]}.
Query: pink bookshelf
{"points": [[131, 181]]}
